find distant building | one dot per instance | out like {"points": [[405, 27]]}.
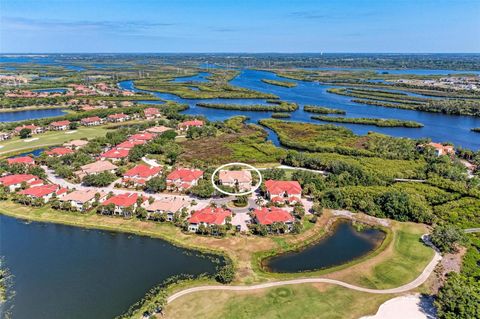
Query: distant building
{"points": [[60, 126], [91, 121], [192, 123], [440, 149], [59, 151], [128, 145], [183, 178], [75, 144], [115, 154], [151, 113], [142, 137], [5, 136], [33, 128], [158, 129], [96, 168], [207, 217], [119, 117], [26, 160]]}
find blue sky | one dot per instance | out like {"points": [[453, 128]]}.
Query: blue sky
{"points": [[239, 26]]}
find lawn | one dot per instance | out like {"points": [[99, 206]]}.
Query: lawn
{"points": [[305, 301], [50, 138]]}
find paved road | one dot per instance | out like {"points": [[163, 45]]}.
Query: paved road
{"points": [[472, 230], [411, 285]]}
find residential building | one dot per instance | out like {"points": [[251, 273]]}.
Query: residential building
{"points": [[26, 160], [91, 121], [142, 137], [59, 125], [115, 154], [96, 168], [124, 204], [158, 129], [59, 151], [207, 217], [118, 117], [15, 181], [5, 136], [440, 149], [45, 192], [33, 128], [283, 191], [166, 206], [151, 113], [236, 179], [75, 144], [273, 215], [192, 123], [128, 145], [84, 199], [140, 174], [183, 178]]}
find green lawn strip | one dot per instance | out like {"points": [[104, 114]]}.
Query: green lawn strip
{"points": [[369, 121], [280, 83], [49, 138]]}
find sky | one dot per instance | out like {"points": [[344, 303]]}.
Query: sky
{"points": [[90, 26]]}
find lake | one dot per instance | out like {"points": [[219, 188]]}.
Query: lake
{"points": [[344, 244], [67, 272], [30, 114]]}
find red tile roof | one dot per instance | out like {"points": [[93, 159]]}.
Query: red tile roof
{"points": [[268, 216], [116, 153], [122, 200], [130, 144], [151, 111], [43, 190], [60, 123], [31, 127], [91, 119], [142, 171], [17, 179], [210, 215], [59, 151], [191, 123], [185, 175], [117, 116], [142, 137], [280, 187], [21, 160]]}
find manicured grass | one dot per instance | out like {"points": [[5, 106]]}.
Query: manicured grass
{"points": [[50, 138], [299, 301]]}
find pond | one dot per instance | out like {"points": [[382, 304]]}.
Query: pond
{"points": [[30, 114], [68, 272], [344, 244]]}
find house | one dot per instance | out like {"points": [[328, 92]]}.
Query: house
{"points": [[273, 215], [95, 168], [283, 191], [151, 113], [5, 136], [59, 151], [25, 160], [192, 123], [15, 181], [158, 129], [442, 149], [183, 178], [240, 179], [142, 137], [118, 117], [115, 154], [140, 174], [75, 144], [60, 125], [33, 128], [45, 192], [82, 199], [123, 204], [128, 145], [91, 121], [166, 206], [207, 217]]}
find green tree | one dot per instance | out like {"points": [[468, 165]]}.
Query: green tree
{"points": [[25, 132], [458, 298], [156, 184], [447, 237], [225, 274]]}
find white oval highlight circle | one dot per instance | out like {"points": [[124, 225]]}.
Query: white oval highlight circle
{"points": [[212, 179]]}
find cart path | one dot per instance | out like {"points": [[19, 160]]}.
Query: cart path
{"points": [[407, 287]]}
